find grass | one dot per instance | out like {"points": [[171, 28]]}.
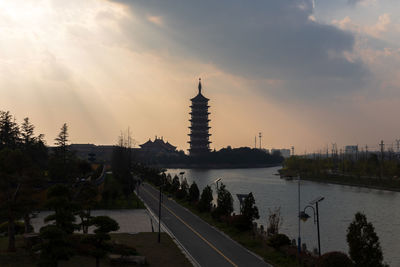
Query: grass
{"points": [[164, 254]]}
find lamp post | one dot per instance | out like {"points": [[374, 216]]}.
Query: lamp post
{"points": [[299, 238], [304, 216], [181, 174], [217, 181]]}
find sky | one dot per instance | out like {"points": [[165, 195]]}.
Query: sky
{"points": [[304, 73]]}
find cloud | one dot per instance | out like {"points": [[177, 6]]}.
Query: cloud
{"points": [[361, 2], [275, 40]]}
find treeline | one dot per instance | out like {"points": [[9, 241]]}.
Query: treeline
{"points": [[31, 179], [365, 170], [203, 202], [228, 156]]}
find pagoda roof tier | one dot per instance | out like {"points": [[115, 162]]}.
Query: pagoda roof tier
{"points": [[199, 127], [199, 113], [199, 106], [198, 119]]}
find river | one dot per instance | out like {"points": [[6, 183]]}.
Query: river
{"points": [[336, 211]]}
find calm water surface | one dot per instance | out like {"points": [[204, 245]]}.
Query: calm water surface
{"points": [[382, 208]]}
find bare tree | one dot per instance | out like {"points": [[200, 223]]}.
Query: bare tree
{"points": [[275, 221]]}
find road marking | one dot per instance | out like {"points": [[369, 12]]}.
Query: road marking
{"points": [[194, 231]]}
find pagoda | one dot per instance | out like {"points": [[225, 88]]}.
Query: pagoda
{"points": [[199, 129]]}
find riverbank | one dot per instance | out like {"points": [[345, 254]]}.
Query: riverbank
{"points": [[389, 184], [344, 180], [214, 166]]}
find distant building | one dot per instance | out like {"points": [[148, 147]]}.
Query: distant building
{"points": [[92, 152], [199, 129], [351, 149], [158, 145]]}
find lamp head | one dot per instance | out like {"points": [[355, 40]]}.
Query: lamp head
{"points": [[303, 216]]}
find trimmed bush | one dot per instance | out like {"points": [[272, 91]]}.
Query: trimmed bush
{"points": [[334, 259], [19, 228], [279, 240]]}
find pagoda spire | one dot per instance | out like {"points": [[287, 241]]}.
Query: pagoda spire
{"points": [[200, 86]]}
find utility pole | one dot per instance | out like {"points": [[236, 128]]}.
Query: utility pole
{"points": [[255, 142], [398, 145], [260, 136], [366, 152], [292, 150], [382, 145]]}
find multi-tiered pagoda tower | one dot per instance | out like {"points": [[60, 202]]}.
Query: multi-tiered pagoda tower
{"points": [[199, 136]]}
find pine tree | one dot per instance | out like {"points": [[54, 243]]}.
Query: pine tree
{"points": [[249, 210], [364, 247], [224, 201]]}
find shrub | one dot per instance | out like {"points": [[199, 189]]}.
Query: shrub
{"points": [[278, 241], [122, 249], [334, 259], [19, 228]]}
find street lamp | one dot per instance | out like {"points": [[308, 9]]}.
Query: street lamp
{"points": [[298, 194], [304, 216], [216, 182], [181, 174]]}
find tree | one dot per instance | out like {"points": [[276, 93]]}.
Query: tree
{"points": [[194, 193], [121, 164], [20, 153], [60, 163], [249, 210], [206, 199], [86, 200], [104, 225], [274, 221], [224, 202], [55, 246], [9, 131], [175, 184], [183, 190], [59, 199], [364, 247]]}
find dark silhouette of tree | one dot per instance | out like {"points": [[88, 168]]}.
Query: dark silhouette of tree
{"points": [[55, 246], [9, 131], [86, 201], [224, 202], [194, 193], [104, 225], [59, 169], [364, 247], [175, 184], [182, 192], [249, 211], [206, 199], [121, 164], [59, 199], [19, 171]]}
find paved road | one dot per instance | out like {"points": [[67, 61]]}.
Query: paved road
{"points": [[206, 245]]}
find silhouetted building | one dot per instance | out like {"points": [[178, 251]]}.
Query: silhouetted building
{"points": [[158, 145], [199, 129]]}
